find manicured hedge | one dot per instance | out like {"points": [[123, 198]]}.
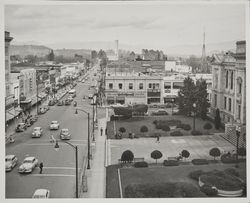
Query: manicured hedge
{"points": [[228, 158], [162, 190], [196, 132], [209, 190], [196, 174], [199, 161], [176, 133], [140, 164], [232, 171], [171, 163]]}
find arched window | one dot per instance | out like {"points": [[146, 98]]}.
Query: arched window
{"points": [[227, 79], [232, 79]]}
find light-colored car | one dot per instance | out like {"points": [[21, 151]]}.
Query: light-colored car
{"points": [[70, 98], [29, 163], [37, 132], [10, 162], [65, 135], [41, 194], [54, 125]]}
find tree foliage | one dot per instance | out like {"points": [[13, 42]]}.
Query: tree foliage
{"points": [[122, 130], [202, 103], [215, 152], [207, 126], [156, 155], [51, 56], [217, 119], [185, 153], [144, 129], [242, 151], [127, 156]]}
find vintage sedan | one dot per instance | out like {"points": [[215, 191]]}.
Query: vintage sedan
{"points": [[54, 125], [37, 132], [65, 135], [29, 163], [41, 194], [10, 162], [21, 127]]}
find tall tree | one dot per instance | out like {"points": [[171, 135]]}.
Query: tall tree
{"points": [[217, 119], [51, 56], [202, 103], [186, 97]]}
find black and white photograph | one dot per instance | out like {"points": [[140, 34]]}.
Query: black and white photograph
{"points": [[125, 99]]}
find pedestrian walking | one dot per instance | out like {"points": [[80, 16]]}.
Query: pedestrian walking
{"points": [[158, 139], [41, 167], [101, 131]]}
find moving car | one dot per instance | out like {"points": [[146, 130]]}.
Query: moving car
{"points": [[10, 162], [21, 127], [37, 132], [41, 194], [64, 134], [54, 125], [29, 163]]}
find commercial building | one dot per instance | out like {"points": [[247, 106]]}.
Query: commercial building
{"points": [[176, 66], [133, 88]]}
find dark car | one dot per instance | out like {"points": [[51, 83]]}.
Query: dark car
{"points": [[21, 127], [67, 102], [160, 113], [60, 103], [51, 103]]}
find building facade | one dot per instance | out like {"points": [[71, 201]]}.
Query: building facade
{"points": [[229, 85]]}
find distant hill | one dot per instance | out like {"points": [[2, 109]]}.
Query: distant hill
{"points": [[24, 50], [71, 52]]}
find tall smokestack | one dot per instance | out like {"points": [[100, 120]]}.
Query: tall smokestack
{"points": [[116, 49]]}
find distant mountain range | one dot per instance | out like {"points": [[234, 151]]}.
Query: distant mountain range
{"points": [[84, 48]]}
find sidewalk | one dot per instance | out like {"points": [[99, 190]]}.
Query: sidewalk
{"points": [[97, 174]]}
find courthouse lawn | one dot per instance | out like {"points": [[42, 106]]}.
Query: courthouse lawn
{"points": [[170, 174], [134, 125]]}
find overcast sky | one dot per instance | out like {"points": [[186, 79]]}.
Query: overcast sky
{"points": [[163, 25]]}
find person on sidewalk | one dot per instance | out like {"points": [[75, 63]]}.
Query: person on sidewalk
{"points": [[41, 167], [158, 139], [101, 131]]}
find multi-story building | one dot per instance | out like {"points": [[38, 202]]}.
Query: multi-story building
{"points": [[133, 88], [9, 97], [229, 85]]}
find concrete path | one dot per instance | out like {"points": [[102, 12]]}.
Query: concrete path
{"points": [[97, 174]]}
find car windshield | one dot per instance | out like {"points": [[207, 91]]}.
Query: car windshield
{"points": [[27, 161], [65, 131], [54, 122]]}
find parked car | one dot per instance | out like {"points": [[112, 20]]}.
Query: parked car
{"points": [[160, 112], [83, 81], [90, 96], [51, 102], [29, 163], [59, 103], [67, 102], [41, 194], [70, 98], [37, 132], [64, 134], [54, 125], [33, 118], [10, 162], [21, 127]]}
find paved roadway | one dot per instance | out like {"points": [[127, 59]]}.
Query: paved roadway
{"points": [[59, 167]]}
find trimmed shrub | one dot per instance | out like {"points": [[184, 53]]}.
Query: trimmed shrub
{"points": [[199, 161], [209, 190], [232, 171], [122, 130], [207, 126], [196, 132], [171, 163], [242, 151], [127, 156], [195, 174], [144, 129], [156, 155], [165, 128], [155, 122], [176, 133], [185, 153], [186, 127], [228, 158], [141, 164], [214, 152]]}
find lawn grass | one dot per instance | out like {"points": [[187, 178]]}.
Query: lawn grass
{"points": [[134, 125], [112, 183], [170, 174]]}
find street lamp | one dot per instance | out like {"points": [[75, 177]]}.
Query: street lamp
{"points": [[172, 105], [76, 155], [76, 112], [194, 106]]}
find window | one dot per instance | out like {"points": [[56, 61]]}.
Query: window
{"points": [[178, 85], [239, 111], [240, 86], [215, 100], [150, 85], [225, 103], [227, 79], [216, 81], [120, 86], [229, 104], [157, 85], [141, 86], [167, 85], [232, 80], [130, 86], [110, 86]]}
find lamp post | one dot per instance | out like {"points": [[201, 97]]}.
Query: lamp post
{"points": [[76, 155], [172, 105], [93, 121], [194, 106], [76, 112]]}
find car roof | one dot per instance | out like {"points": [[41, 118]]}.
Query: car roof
{"points": [[65, 129], [29, 158], [37, 128], [40, 192], [54, 121], [9, 156]]}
